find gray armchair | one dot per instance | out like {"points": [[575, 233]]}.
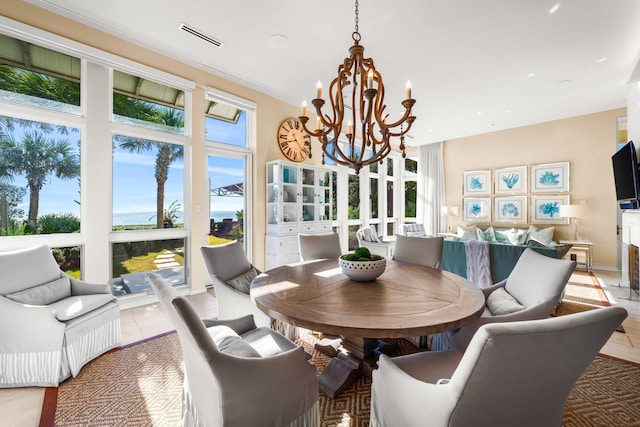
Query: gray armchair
{"points": [[532, 291], [512, 374], [318, 246], [237, 374], [231, 274], [51, 324]]}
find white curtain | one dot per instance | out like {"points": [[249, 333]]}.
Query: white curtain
{"points": [[432, 182]]}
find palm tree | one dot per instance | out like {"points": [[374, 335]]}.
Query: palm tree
{"points": [[165, 156], [38, 157]]}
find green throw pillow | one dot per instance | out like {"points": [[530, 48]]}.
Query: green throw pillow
{"points": [[467, 233]]}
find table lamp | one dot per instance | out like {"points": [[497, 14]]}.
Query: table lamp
{"points": [[572, 212], [449, 211]]}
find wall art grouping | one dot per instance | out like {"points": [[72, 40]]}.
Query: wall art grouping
{"points": [[510, 187]]}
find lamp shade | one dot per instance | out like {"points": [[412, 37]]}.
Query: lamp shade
{"points": [[449, 210], [573, 211]]}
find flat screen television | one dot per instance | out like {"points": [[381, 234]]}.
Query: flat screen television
{"points": [[625, 173]]}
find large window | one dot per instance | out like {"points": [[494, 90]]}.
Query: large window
{"points": [[229, 143], [148, 182], [40, 170]]}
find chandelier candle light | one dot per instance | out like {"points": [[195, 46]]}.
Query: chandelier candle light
{"points": [[358, 78]]}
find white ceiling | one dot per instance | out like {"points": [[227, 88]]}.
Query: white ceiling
{"points": [[475, 66]]}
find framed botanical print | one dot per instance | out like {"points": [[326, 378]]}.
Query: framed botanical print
{"points": [[546, 209], [510, 209], [477, 209], [550, 178], [510, 180], [477, 182]]}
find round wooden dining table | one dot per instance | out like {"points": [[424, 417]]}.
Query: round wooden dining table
{"points": [[406, 300]]}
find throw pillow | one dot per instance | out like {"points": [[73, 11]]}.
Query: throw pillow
{"points": [[242, 282], [486, 235], [512, 236], [230, 342], [44, 294], [500, 302], [373, 234], [543, 236], [467, 233]]}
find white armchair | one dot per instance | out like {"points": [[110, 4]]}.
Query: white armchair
{"points": [[512, 374], [51, 324], [368, 238], [532, 291], [237, 374]]}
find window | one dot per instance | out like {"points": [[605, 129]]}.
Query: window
{"points": [[148, 183], [131, 261], [229, 143], [36, 76]]}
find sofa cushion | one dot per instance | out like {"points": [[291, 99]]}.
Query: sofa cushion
{"points": [[543, 236], [486, 235], [500, 302], [512, 236], [44, 294], [76, 306], [242, 282], [229, 342], [467, 233]]}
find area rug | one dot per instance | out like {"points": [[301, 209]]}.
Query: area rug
{"points": [[140, 385], [585, 288], [583, 292]]}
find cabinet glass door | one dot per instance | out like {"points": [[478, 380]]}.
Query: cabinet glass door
{"points": [[308, 194]]}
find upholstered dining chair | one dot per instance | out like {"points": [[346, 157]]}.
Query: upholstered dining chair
{"points": [[318, 246], [518, 373], [238, 374], [425, 251], [231, 274], [532, 291]]}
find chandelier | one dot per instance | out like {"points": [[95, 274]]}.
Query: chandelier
{"points": [[360, 82]]}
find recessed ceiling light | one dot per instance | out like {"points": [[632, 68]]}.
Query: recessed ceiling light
{"points": [[554, 8], [563, 82], [602, 59], [531, 75], [278, 41]]}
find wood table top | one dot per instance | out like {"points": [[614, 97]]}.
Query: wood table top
{"points": [[406, 300]]}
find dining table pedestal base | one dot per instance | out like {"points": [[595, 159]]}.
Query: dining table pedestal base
{"points": [[356, 357]]}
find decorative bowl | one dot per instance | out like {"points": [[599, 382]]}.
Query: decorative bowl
{"points": [[362, 271]]}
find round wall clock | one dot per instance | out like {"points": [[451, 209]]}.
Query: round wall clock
{"points": [[293, 141]]}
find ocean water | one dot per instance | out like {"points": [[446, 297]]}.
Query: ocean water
{"points": [[148, 218]]}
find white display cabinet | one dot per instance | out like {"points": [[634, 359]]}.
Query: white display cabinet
{"points": [[298, 201]]}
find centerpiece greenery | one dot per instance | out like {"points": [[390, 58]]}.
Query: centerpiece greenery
{"points": [[361, 265]]}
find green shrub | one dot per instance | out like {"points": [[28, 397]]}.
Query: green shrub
{"points": [[58, 223]]}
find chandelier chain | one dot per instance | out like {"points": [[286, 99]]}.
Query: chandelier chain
{"points": [[356, 33]]}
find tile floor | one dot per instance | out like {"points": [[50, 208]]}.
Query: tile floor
{"points": [[21, 407]]}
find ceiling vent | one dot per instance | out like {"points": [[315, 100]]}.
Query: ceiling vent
{"points": [[186, 28]]}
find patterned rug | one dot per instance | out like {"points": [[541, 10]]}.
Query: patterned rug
{"points": [[140, 385]]}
